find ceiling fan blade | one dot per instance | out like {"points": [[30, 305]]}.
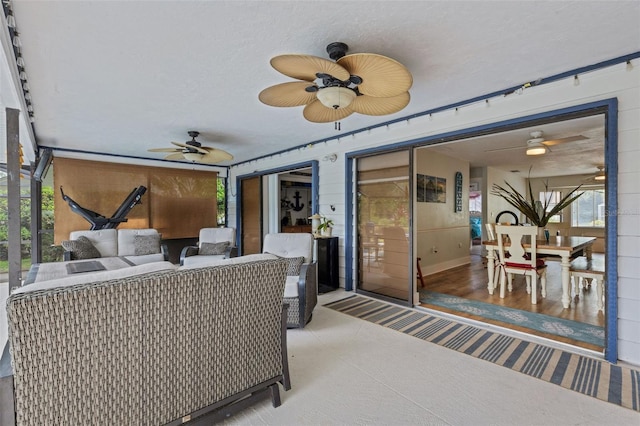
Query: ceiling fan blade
{"points": [[175, 156], [196, 148], [287, 94], [382, 77], [563, 140], [318, 113], [370, 105], [505, 149], [215, 155], [163, 150], [305, 67]]}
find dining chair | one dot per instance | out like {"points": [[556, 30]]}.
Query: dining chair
{"points": [[515, 259], [491, 236]]}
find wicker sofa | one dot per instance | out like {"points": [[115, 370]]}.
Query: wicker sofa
{"points": [[137, 246], [154, 348]]}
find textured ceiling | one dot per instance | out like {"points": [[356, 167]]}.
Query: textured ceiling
{"points": [[123, 77]]}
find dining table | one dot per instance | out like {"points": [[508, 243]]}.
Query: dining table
{"points": [[564, 247]]}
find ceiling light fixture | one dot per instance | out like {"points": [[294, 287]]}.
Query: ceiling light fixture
{"points": [[536, 148], [336, 97], [192, 156], [600, 175]]}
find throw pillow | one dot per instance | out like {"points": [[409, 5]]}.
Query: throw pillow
{"points": [[214, 248], [295, 263], [82, 248], [146, 244]]}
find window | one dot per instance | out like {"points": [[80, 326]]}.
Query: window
{"points": [[588, 210], [551, 198]]}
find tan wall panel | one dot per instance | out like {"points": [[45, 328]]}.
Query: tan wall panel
{"points": [[182, 202], [251, 237], [177, 202]]}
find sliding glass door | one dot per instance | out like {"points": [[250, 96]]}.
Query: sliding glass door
{"points": [[383, 191]]}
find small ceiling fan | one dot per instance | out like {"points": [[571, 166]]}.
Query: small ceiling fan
{"points": [[599, 177], [538, 145], [365, 83], [194, 151]]}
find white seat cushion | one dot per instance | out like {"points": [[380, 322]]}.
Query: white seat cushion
{"points": [[145, 258], [289, 245], [217, 235], [202, 260], [231, 261], [291, 287], [90, 277], [105, 240]]}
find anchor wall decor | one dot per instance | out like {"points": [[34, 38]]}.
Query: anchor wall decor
{"points": [[297, 206]]}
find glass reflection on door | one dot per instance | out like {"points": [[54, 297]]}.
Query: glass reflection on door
{"points": [[383, 224]]}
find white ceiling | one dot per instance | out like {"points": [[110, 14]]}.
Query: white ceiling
{"points": [[123, 77]]}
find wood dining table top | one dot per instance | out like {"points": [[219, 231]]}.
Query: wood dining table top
{"points": [[565, 243]]}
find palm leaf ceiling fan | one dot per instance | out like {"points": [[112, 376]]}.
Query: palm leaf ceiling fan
{"points": [[365, 83], [194, 151], [538, 145]]}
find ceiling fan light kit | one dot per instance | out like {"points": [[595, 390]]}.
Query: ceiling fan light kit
{"points": [[536, 148], [600, 176], [365, 83], [336, 97]]}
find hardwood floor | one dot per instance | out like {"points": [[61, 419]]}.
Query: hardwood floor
{"points": [[470, 282]]}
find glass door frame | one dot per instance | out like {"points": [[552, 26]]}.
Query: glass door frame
{"points": [[313, 165], [608, 107], [351, 226]]}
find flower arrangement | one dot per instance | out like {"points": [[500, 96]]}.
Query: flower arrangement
{"points": [[534, 210]]}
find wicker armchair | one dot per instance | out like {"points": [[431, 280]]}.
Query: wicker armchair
{"points": [[301, 290]]}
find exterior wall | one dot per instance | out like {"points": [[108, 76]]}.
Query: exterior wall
{"points": [[612, 82]]}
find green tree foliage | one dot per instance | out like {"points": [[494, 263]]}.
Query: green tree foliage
{"points": [[222, 202]]}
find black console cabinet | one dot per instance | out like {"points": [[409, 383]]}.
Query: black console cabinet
{"points": [[328, 278]]}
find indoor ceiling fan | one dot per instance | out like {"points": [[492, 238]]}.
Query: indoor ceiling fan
{"points": [[365, 83], [598, 177], [538, 145], [194, 151]]}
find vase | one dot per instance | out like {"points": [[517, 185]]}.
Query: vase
{"points": [[326, 232]]}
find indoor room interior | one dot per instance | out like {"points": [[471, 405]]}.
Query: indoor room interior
{"points": [[451, 259]]}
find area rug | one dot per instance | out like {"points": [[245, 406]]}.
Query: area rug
{"points": [[545, 323], [589, 376]]}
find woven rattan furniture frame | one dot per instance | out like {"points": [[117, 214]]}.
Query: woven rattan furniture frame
{"points": [[159, 348]]}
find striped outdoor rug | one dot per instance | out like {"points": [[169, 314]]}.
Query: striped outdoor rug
{"points": [[589, 376]]}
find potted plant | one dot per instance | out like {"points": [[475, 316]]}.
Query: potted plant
{"points": [[536, 212], [325, 227]]}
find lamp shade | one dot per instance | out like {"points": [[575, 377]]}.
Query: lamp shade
{"points": [[336, 97], [192, 156]]}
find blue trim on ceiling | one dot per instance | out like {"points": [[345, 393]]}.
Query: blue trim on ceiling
{"points": [[79, 151], [504, 92]]}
